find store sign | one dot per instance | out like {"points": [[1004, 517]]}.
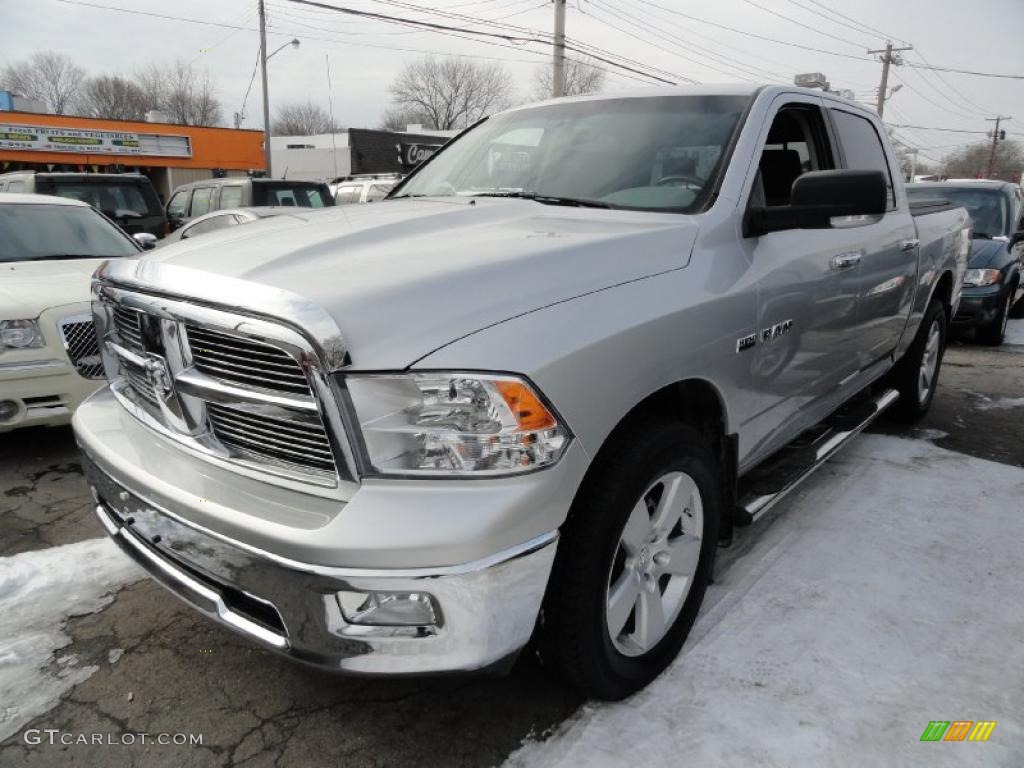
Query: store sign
{"points": [[52, 139], [414, 154]]}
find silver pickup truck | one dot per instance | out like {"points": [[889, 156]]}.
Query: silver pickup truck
{"points": [[525, 397]]}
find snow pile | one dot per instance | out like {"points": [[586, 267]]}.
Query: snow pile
{"points": [[884, 594], [39, 591], [1014, 332]]}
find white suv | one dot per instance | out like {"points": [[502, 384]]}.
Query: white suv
{"points": [[363, 189]]}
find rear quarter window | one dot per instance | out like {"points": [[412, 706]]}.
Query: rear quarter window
{"points": [[862, 147]]}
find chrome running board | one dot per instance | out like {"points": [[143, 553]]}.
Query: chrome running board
{"points": [[770, 481]]}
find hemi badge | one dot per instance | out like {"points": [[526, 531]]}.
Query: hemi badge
{"points": [[746, 342]]}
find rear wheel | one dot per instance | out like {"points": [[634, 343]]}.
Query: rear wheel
{"points": [[634, 561], [916, 376]]}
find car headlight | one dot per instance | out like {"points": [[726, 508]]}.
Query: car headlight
{"points": [[454, 424], [20, 334], [981, 277]]}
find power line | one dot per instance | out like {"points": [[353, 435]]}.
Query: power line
{"points": [[1002, 75], [801, 24], [872, 30], [932, 128], [816, 12]]}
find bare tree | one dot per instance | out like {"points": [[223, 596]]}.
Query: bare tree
{"points": [[399, 118], [972, 161], [582, 76], [186, 96], [113, 97], [302, 118], [48, 76], [451, 92]]}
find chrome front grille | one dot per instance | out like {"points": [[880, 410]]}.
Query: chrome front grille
{"points": [[79, 337], [239, 389], [285, 440], [245, 361]]}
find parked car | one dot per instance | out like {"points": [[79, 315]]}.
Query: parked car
{"points": [[226, 218], [364, 188], [49, 358], [553, 369], [126, 198], [190, 201], [992, 285]]}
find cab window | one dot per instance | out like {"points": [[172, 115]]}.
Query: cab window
{"points": [[862, 147], [202, 199], [230, 196], [178, 205], [796, 144]]}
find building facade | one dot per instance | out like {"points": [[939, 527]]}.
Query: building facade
{"points": [[167, 153]]}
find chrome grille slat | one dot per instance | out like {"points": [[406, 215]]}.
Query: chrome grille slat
{"points": [[252, 379], [309, 434], [79, 337], [282, 372], [232, 429], [127, 323]]}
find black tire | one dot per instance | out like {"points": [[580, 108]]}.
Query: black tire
{"points": [[906, 376], [993, 333], [575, 637]]}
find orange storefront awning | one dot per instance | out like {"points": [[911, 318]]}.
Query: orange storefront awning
{"points": [[67, 139]]}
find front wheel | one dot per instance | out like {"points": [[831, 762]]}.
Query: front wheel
{"points": [[634, 561], [916, 376], [994, 332]]}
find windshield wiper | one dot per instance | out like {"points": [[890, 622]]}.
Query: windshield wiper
{"points": [[56, 256], [547, 199]]}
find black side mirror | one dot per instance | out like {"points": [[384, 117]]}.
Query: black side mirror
{"points": [[819, 196]]}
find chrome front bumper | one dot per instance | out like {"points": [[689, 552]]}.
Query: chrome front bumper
{"points": [[486, 610]]}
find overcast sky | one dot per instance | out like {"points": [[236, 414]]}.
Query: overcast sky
{"points": [[365, 55]]}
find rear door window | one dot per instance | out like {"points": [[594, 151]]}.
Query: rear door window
{"points": [[17, 185], [862, 147], [230, 196], [202, 199], [296, 195]]}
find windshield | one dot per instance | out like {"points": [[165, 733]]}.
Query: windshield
{"points": [[989, 208], [657, 153], [119, 200], [33, 232]]}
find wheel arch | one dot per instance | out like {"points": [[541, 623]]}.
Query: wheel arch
{"points": [[700, 405]]}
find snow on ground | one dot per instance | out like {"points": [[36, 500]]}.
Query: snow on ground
{"points": [[884, 594], [1001, 403], [1014, 333], [39, 591]]}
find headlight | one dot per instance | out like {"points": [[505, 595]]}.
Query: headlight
{"points": [[981, 277], [454, 424], [20, 334]]}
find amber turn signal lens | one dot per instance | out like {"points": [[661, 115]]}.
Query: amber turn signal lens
{"points": [[527, 408]]}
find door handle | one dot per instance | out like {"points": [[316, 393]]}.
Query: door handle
{"points": [[909, 245], [845, 260]]}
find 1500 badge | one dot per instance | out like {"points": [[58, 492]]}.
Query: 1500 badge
{"points": [[767, 334]]}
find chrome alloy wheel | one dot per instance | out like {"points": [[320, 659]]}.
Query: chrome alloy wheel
{"points": [[654, 564], [929, 362]]}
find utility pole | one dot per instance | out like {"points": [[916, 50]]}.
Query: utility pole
{"points": [[997, 136], [889, 56], [558, 59], [266, 98], [913, 163]]}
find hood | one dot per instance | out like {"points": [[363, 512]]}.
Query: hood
{"points": [[27, 288], [984, 252], [402, 278]]}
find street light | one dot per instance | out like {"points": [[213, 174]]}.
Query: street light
{"points": [[266, 99], [294, 43]]}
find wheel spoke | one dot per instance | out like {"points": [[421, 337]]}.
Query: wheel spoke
{"points": [[621, 599], [674, 499], [650, 619], [638, 528], [683, 553]]}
